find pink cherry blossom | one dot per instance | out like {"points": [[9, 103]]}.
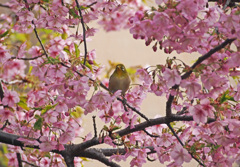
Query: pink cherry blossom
{"points": [[165, 140], [192, 88], [47, 145], [4, 54], [180, 155], [172, 77], [10, 98], [67, 136], [45, 161], [6, 115], [34, 51], [199, 114], [25, 15], [12, 159], [237, 95], [21, 51], [144, 76]]}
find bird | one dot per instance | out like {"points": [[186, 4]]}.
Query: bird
{"points": [[119, 80]]}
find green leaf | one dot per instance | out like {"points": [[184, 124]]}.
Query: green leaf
{"points": [[89, 66], [30, 69], [73, 13], [23, 103], [77, 51], [105, 128], [47, 108], [19, 37], [39, 123], [78, 112], [52, 60], [226, 97], [4, 34], [116, 128]]}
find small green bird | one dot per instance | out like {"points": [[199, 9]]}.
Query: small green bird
{"points": [[119, 80]]}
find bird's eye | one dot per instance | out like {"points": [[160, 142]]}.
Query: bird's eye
{"points": [[123, 69]]}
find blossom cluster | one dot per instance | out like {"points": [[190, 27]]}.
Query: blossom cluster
{"points": [[47, 89]]}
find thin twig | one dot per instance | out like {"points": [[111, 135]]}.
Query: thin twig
{"points": [[30, 163], [13, 82], [134, 109], [94, 126], [179, 140], [226, 4], [5, 6], [150, 134], [183, 111], [5, 125], [35, 31], [84, 32], [1, 91], [30, 58], [92, 4]]}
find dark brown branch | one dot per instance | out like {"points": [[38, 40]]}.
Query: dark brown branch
{"points": [[94, 126], [1, 91], [30, 58], [150, 134], [36, 33], [82, 149], [96, 154], [91, 4], [84, 32], [12, 139], [207, 55], [29, 163], [19, 160], [68, 156], [5, 125], [5, 6], [121, 151], [133, 108], [187, 74]]}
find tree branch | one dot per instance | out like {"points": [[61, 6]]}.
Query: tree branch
{"points": [[30, 58], [187, 74], [5, 6], [207, 55], [84, 32], [1, 91], [19, 159], [94, 126], [96, 154]]}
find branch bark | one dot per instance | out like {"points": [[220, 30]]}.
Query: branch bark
{"points": [[187, 74]]}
